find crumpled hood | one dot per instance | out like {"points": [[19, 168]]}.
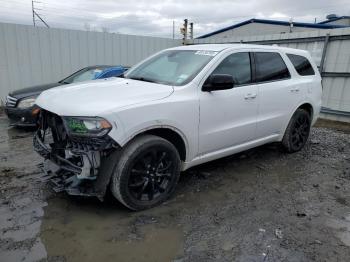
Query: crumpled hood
{"points": [[93, 98]]}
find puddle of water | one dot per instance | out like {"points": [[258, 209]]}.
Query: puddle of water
{"points": [[94, 232]]}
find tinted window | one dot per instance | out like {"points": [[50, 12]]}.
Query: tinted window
{"points": [[302, 65], [270, 67], [237, 65]]}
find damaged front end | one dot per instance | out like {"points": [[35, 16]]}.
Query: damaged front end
{"points": [[79, 155]]}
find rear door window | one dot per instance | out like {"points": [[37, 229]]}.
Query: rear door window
{"points": [[270, 67], [301, 64]]}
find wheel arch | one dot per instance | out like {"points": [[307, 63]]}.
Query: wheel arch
{"points": [[287, 140], [304, 105], [307, 107], [169, 133]]}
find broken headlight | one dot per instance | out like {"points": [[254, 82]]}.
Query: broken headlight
{"points": [[87, 126]]}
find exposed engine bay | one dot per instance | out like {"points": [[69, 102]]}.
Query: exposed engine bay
{"points": [[77, 164]]}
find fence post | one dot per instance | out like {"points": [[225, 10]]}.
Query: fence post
{"points": [[324, 53]]}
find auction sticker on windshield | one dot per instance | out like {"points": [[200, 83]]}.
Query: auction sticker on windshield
{"points": [[203, 52]]}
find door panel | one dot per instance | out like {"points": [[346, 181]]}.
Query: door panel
{"points": [[228, 117]]}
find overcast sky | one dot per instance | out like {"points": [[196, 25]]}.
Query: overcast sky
{"points": [[155, 17]]}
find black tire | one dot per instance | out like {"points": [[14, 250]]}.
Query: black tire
{"points": [[146, 173], [297, 132]]}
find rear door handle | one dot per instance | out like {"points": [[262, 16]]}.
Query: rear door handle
{"points": [[293, 90], [250, 96]]}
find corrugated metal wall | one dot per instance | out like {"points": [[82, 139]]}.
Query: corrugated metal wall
{"points": [[335, 69], [31, 56]]}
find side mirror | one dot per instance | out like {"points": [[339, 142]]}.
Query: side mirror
{"points": [[218, 82]]}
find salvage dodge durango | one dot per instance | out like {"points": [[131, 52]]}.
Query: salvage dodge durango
{"points": [[181, 107]]}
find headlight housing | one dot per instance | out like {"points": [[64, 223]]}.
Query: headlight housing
{"points": [[87, 126], [26, 102]]}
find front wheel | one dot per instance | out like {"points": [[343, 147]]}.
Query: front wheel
{"points": [[146, 173], [297, 132]]}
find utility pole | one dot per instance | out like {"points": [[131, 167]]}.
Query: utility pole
{"points": [[35, 14], [173, 29], [191, 31], [183, 31], [291, 25]]}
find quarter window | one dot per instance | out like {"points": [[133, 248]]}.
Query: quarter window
{"points": [[270, 67], [301, 64], [238, 66]]}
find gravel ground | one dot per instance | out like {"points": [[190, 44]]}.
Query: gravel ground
{"points": [[260, 205]]}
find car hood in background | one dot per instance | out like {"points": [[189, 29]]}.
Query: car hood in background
{"points": [[32, 91], [93, 98]]}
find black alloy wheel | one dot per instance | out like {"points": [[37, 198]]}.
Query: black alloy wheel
{"points": [[300, 131], [297, 132], [146, 173], [151, 173]]}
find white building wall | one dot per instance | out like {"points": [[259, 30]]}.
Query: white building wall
{"points": [[36, 55]]}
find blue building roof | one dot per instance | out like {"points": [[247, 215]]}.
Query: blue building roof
{"points": [[272, 22]]}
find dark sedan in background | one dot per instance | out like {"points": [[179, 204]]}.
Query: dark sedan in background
{"points": [[19, 104]]}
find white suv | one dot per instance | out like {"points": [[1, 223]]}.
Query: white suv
{"points": [[179, 108]]}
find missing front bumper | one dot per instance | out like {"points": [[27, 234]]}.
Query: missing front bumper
{"points": [[62, 180], [64, 175]]}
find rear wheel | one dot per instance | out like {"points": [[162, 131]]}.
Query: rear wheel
{"points": [[297, 132], [146, 173]]}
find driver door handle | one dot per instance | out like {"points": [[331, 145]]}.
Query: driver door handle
{"points": [[249, 96]]}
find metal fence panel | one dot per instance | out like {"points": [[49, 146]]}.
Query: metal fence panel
{"points": [[35, 55]]}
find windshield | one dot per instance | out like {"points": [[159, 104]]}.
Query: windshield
{"points": [[172, 67], [83, 75]]}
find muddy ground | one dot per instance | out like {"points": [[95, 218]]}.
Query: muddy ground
{"points": [[260, 205]]}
